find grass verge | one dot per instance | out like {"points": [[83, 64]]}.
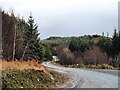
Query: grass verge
{"points": [[103, 66], [31, 79], [31, 75]]}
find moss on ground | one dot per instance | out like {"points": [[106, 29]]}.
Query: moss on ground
{"points": [[30, 79]]}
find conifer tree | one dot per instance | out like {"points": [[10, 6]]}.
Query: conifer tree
{"points": [[33, 48], [115, 42]]}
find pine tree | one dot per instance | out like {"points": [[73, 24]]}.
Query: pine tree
{"points": [[33, 47], [119, 41], [115, 43]]}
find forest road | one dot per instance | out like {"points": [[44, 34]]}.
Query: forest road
{"points": [[85, 78]]}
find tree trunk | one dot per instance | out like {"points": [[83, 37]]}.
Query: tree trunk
{"points": [[14, 44], [24, 51]]}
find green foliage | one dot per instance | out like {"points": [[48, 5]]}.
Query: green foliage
{"points": [[53, 38], [75, 44], [106, 45], [14, 79], [27, 41], [116, 42], [85, 43], [48, 54], [26, 79], [38, 51], [34, 49], [57, 41], [110, 45], [80, 44]]}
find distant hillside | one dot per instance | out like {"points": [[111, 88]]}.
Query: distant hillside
{"points": [[56, 41]]}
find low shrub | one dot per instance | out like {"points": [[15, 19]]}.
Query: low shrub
{"points": [[98, 66], [103, 66]]}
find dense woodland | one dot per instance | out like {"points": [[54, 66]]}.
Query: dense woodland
{"points": [[87, 50], [21, 41]]}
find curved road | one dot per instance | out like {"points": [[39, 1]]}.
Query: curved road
{"points": [[80, 78]]}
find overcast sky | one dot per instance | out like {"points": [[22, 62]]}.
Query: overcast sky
{"points": [[68, 17]]}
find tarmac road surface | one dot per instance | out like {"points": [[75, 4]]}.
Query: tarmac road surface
{"points": [[83, 78]]}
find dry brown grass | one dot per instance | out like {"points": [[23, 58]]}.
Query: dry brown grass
{"points": [[22, 65]]}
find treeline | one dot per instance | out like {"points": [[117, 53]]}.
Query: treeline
{"points": [[90, 50], [56, 41], [21, 39]]}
